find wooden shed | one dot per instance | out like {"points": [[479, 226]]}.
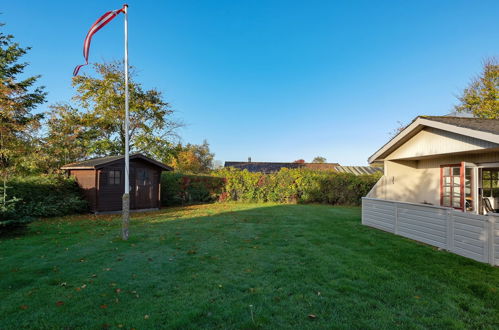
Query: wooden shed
{"points": [[103, 181]]}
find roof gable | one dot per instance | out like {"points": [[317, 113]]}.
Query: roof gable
{"points": [[480, 129]]}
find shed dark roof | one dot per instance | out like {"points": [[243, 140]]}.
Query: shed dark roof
{"points": [[270, 167], [103, 161], [479, 124]]}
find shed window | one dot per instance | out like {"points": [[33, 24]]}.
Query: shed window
{"points": [[114, 177], [143, 177], [451, 186]]}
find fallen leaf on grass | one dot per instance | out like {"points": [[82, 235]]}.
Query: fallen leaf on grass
{"points": [[312, 316], [23, 307], [191, 252], [59, 303], [103, 306]]}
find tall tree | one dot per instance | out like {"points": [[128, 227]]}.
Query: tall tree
{"points": [[69, 138], [98, 115], [18, 98], [193, 158], [319, 159], [481, 97]]}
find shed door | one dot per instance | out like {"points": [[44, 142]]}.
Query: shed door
{"points": [[143, 188]]}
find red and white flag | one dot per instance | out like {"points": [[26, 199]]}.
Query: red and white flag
{"points": [[99, 24]]}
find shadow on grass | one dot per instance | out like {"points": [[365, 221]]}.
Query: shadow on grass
{"points": [[203, 266]]}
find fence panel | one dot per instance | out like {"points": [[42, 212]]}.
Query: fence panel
{"points": [[379, 214], [423, 224], [495, 239], [469, 235]]}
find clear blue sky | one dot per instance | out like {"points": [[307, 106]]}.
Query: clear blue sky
{"points": [[275, 80]]}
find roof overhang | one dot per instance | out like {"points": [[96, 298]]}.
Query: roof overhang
{"points": [[419, 124], [76, 166]]}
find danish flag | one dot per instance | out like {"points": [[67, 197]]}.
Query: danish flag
{"points": [[99, 24]]}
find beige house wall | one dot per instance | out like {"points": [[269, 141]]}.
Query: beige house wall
{"points": [[418, 180]]}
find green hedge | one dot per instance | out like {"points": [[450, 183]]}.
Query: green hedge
{"points": [[179, 189], [42, 196], [296, 186], [285, 186]]}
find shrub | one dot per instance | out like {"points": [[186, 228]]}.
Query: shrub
{"points": [[179, 189], [296, 185], [46, 196]]}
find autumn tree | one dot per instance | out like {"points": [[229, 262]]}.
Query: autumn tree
{"points": [[18, 98], [193, 158], [70, 136], [94, 122], [481, 97], [319, 159], [299, 161]]}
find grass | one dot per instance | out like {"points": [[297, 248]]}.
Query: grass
{"points": [[237, 266]]}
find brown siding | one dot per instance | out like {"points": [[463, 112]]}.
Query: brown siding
{"points": [[141, 196], [86, 180]]}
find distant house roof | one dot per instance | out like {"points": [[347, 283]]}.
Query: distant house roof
{"points": [[483, 129], [96, 163], [270, 167], [358, 170]]}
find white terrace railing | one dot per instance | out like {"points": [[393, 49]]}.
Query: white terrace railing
{"points": [[469, 235]]}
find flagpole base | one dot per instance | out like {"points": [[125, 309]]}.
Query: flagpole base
{"points": [[125, 216]]}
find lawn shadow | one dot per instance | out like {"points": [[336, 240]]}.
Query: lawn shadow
{"points": [[203, 266]]}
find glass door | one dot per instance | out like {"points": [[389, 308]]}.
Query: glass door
{"points": [[451, 190], [471, 201]]}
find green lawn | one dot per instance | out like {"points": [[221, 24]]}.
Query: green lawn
{"points": [[237, 266]]}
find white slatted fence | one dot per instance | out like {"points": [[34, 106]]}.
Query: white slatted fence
{"points": [[469, 235]]}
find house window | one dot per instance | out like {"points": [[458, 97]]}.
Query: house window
{"points": [[490, 183], [451, 188], [114, 177]]}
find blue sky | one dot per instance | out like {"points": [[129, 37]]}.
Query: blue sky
{"points": [[275, 80]]}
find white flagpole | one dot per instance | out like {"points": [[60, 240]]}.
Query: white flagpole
{"points": [[126, 195]]}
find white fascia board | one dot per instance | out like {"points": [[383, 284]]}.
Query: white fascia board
{"points": [[486, 136]]}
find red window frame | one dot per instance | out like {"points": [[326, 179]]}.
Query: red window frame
{"points": [[461, 185]]}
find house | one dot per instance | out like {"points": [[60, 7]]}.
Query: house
{"points": [[271, 167], [441, 177], [103, 183]]}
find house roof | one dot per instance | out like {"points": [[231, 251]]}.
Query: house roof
{"points": [[358, 170], [96, 163], [483, 129], [270, 167], [479, 124]]}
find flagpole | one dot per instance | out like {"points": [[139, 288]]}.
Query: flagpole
{"points": [[126, 195]]}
